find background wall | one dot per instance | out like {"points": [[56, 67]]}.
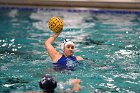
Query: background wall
{"points": [[127, 4]]}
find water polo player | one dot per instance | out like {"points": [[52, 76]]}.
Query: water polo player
{"points": [[48, 84], [65, 60]]}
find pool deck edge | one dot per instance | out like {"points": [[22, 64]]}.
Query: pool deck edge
{"points": [[77, 3]]}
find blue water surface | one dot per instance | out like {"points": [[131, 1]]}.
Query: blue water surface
{"points": [[108, 40]]}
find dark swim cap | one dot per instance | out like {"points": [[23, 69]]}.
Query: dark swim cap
{"points": [[48, 84]]}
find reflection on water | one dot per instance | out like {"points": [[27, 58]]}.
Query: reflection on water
{"points": [[109, 43]]}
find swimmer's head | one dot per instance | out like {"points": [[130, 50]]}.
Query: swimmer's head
{"points": [[68, 47], [48, 84]]}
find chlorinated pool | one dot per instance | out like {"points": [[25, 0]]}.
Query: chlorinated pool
{"points": [[107, 39]]}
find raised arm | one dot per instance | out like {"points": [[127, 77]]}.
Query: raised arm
{"points": [[53, 53]]}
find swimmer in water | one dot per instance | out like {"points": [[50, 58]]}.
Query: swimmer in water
{"points": [[48, 84], [63, 60]]}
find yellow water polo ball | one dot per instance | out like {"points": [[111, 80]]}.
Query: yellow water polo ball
{"points": [[56, 24]]}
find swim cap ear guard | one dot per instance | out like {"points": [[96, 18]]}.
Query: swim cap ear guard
{"points": [[48, 84]]}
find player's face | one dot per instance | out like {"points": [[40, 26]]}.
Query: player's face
{"points": [[69, 50]]}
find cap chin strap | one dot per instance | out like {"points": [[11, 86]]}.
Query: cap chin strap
{"points": [[65, 55]]}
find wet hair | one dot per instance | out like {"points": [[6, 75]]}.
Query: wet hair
{"points": [[48, 84]]}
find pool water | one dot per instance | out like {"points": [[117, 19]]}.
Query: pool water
{"points": [[108, 40]]}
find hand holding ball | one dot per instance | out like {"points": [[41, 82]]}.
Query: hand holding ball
{"points": [[56, 24]]}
